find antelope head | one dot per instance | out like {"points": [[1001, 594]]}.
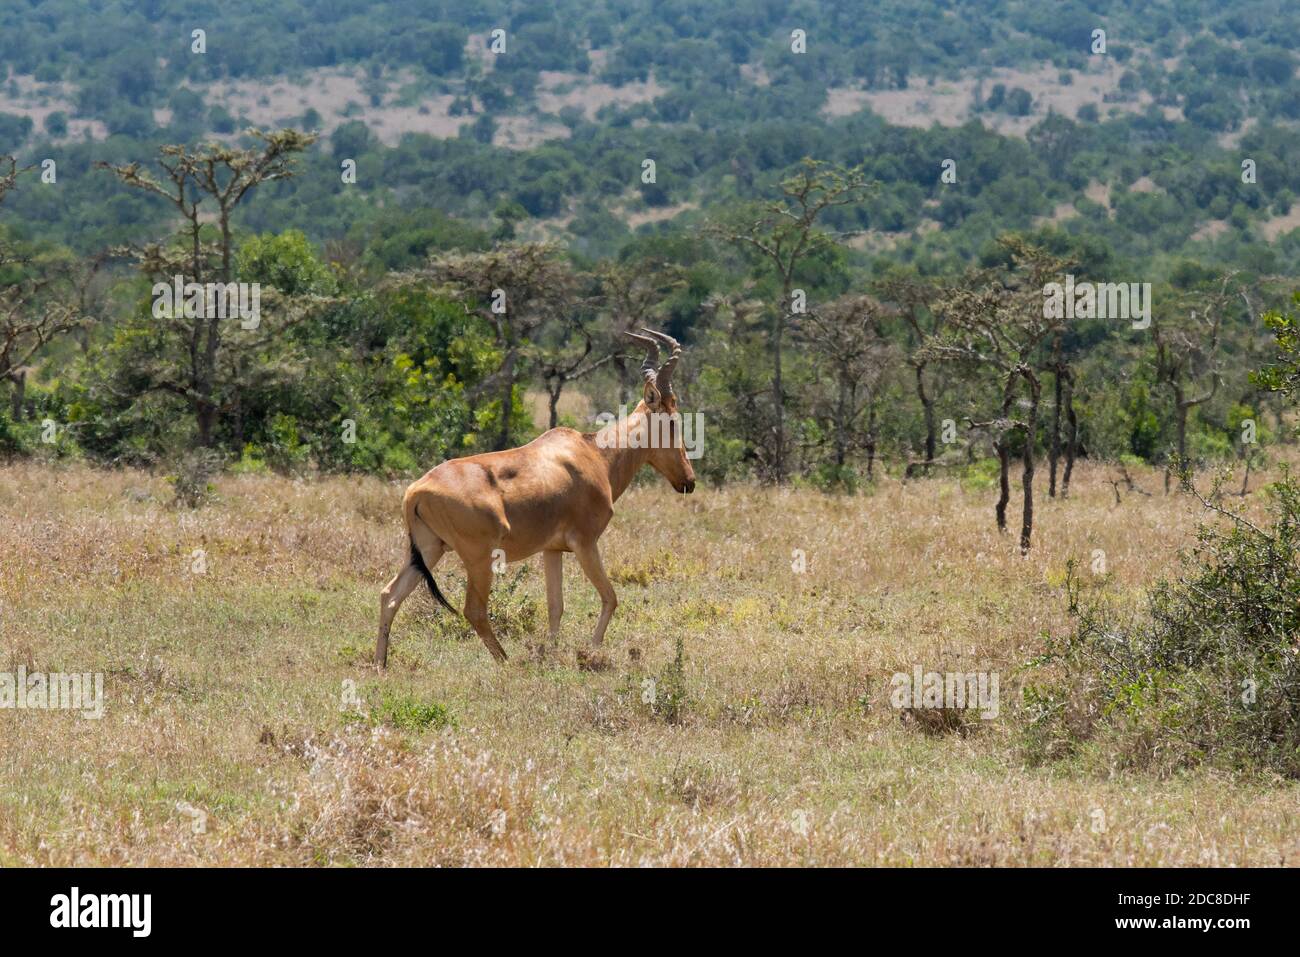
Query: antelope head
{"points": [[658, 407]]}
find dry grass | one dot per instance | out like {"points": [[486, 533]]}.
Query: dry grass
{"points": [[1277, 226], [558, 90], [226, 690], [950, 102], [38, 100]]}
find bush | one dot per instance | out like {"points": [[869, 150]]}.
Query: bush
{"points": [[285, 451], [980, 475], [192, 481], [829, 477], [723, 461], [409, 714], [1209, 674], [670, 688], [14, 129], [514, 613], [14, 440]]}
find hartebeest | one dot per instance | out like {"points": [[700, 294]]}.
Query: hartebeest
{"points": [[554, 495]]}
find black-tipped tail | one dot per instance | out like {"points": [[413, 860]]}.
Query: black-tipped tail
{"points": [[418, 561]]}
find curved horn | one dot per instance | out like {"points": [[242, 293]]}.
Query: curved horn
{"points": [[649, 367], [665, 374]]}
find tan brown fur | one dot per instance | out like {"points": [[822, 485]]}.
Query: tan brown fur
{"points": [[554, 495]]}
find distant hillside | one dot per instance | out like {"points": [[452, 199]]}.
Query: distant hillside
{"points": [[1137, 148]]}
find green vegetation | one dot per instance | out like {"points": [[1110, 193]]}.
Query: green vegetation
{"points": [[381, 351], [1208, 674], [407, 714]]}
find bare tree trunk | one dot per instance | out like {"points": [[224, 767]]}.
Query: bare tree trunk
{"points": [[778, 394], [205, 415], [842, 402], [1072, 443], [1183, 465], [554, 391], [871, 440], [206, 385], [624, 389], [1027, 474], [1027, 485], [227, 246], [927, 408], [237, 424], [1054, 450], [19, 378], [1004, 482], [1180, 433], [1181, 405], [1004, 454], [507, 398]]}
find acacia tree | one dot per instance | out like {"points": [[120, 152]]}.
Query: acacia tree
{"points": [[38, 302], [997, 323], [517, 289], [632, 294], [785, 234], [915, 299], [733, 382], [201, 358], [845, 334], [34, 309], [1188, 338]]}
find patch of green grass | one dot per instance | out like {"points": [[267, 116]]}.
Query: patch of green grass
{"points": [[407, 713]]}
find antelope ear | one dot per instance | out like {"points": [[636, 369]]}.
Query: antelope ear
{"points": [[652, 396]]}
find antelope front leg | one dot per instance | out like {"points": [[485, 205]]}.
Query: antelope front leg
{"points": [[553, 563], [589, 558]]}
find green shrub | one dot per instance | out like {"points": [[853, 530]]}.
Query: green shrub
{"points": [[285, 451], [514, 613], [1208, 673], [980, 476], [403, 712], [670, 688], [14, 437], [192, 479], [251, 462], [408, 714], [829, 477]]}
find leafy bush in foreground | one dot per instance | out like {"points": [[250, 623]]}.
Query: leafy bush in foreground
{"points": [[1210, 674]]}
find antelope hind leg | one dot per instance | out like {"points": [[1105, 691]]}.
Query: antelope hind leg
{"points": [[390, 599]]}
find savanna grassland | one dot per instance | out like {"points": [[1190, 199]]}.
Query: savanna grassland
{"points": [[770, 741]]}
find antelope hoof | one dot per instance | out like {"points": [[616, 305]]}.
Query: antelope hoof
{"points": [[592, 659]]}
